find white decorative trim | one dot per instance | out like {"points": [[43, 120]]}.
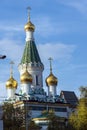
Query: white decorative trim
{"points": [[29, 36]]}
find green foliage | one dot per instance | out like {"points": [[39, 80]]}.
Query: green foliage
{"points": [[78, 119], [56, 123], [83, 91], [33, 126], [12, 117]]}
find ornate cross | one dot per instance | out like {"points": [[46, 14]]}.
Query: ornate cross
{"points": [[11, 69], [28, 8], [50, 59]]}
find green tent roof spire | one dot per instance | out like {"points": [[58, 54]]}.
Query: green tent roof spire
{"points": [[30, 54]]}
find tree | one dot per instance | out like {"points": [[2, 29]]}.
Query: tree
{"points": [[33, 126], [15, 118], [7, 115], [12, 117], [78, 119], [83, 91], [56, 123]]}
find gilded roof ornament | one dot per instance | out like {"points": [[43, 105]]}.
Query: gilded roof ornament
{"points": [[50, 59], [26, 76], [29, 26], [51, 79], [28, 9], [11, 68], [11, 82]]}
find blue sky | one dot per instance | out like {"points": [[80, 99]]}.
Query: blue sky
{"points": [[61, 33]]}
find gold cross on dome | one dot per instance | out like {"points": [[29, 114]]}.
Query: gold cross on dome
{"points": [[11, 68], [28, 8], [50, 59]]}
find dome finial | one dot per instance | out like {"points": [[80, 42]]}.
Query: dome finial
{"points": [[29, 26], [51, 80], [28, 8], [11, 82], [11, 68], [50, 59]]}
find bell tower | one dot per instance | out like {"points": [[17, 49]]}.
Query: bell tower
{"points": [[31, 56]]}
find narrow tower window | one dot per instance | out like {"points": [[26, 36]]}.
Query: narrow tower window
{"points": [[36, 80]]}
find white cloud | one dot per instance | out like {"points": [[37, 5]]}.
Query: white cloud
{"points": [[2, 91], [57, 51], [47, 26], [12, 49], [80, 5], [10, 27]]}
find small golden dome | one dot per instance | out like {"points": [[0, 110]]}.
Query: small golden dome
{"points": [[51, 80], [29, 26], [11, 83], [26, 77]]}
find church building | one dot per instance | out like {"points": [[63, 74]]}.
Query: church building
{"points": [[32, 94]]}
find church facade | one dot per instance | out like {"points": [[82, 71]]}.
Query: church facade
{"points": [[31, 91]]}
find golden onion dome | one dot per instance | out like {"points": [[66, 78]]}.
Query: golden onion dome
{"points": [[29, 26], [26, 77], [11, 83], [51, 80]]}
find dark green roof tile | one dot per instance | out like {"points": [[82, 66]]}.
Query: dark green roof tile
{"points": [[30, 53]]}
